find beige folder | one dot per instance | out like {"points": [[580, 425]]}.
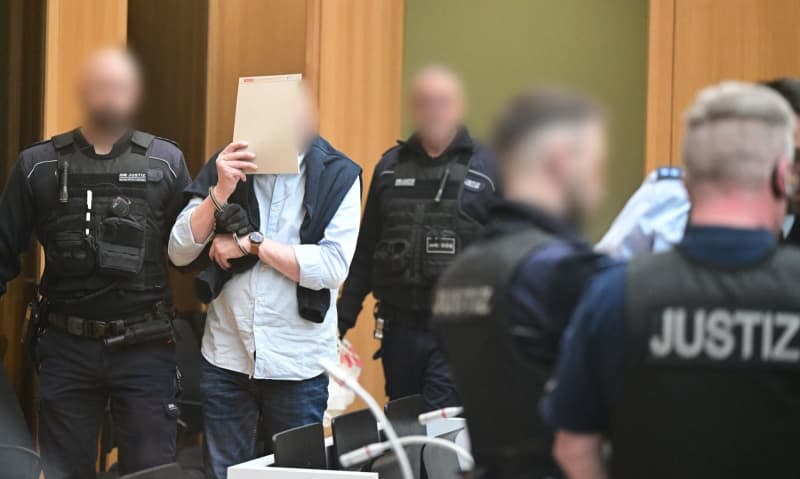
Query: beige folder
{"points": [[266, 117]]}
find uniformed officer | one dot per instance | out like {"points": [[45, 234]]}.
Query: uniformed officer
{"points": [[688, 361], [101, 199], [654, 218], [502, 306], [425, 204]]}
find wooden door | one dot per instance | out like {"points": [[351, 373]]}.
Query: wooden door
{"points": [[696, 43]]}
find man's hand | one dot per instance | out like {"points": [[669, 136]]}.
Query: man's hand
{"points": [[224, 248], [232, 167]]}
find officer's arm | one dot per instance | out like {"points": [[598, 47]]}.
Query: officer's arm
{"points": [[359, 279], [580, 455], [17, 216], [185, 246], [176, 200]]}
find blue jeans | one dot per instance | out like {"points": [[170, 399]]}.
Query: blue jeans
{"points": [[233, 404], [78, 376]]}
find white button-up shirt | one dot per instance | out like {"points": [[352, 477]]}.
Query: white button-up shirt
{"points": [[253, 326]]}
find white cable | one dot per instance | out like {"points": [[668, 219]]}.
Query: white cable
{"points": [[370, 451], [444, 413], [336, 372]]}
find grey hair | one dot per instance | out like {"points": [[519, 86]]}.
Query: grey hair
{"points": [[735, 134]]}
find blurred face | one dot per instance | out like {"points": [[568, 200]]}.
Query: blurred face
{"points": [[437, 107], [586, 177], [306, 121], [794, 198], [110, 91]]}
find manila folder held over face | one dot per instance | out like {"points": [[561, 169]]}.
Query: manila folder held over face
{"points": [[266, 118]]}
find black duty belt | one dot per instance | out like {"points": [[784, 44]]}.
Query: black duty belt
{"points": [[413, 319], [89, 328]]}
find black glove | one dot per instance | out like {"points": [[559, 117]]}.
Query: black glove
{"points": [[232, 218]]}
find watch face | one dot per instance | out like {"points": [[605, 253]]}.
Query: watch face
{"points": [[256, 237]]}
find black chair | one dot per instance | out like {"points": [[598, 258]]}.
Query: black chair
{"points": [[167, 471], [189, 358], [302, 446], [387, 467], [442, 463], [18, 456], [352, 431], [404, 414]]}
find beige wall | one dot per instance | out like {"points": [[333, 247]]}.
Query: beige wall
{"points": [[360, 82]]}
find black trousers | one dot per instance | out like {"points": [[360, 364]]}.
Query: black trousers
{"points": [[414, 363], [77, 378]]}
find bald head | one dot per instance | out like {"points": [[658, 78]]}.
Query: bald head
{"points": [[110, 89], [437, 104]]}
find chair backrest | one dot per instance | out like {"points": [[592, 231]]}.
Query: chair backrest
{"points": [[18, 457], [353, 430], [167, 471], [404, 415], [442, 463], [189, 361], [387, 467], [302, 446]]}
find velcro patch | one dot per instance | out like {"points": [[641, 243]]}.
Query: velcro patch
{"points": [[473, 185], [133, 178], [408, 182], [440, 245]]}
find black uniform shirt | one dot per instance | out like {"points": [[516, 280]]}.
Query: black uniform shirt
{"points": [[31, 191]]}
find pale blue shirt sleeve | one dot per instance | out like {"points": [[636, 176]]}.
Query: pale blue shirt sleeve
{"points": [[653, 219], [325, 265], [183, 248]]}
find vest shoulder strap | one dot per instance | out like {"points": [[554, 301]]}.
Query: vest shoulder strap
{"points": [[63, 141], [142, 139]]}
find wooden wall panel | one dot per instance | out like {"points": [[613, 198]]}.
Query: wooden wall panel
{"points": [[22, 30], [74, 29], [248, 37], [658, 144], [696, 43], [717, 40], [173, 56], [360, 98], [170, 38]]}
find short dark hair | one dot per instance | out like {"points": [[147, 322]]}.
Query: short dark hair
{"points": [[539, 108], [789, 89]]}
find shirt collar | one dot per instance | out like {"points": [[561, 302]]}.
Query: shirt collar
{"points": [[88, 149], [727, 246], [462, 142], [507, 216]]}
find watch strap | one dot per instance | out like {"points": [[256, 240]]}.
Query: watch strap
{"points": [[254, 247]]}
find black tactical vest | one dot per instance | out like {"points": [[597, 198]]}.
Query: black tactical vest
{"points": [[423, 229], [712, 381], [499, 388], [112, 243]]}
